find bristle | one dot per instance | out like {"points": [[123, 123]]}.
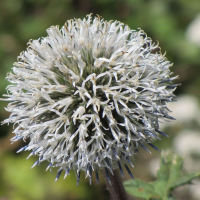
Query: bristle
{"points": [[97, 176], [78, 178], [58, 174], [120, 168], [107, 176], [22, 149], [164, 134], [152, 134], [50, 164], [36, 163], [66, 172], [156, 148], [129, 161], [115, 153], [109, 166], [144, 147], [90, 174], [129, 172]]}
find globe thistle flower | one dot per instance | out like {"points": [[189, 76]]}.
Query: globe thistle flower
{"points": [[88, 95]]}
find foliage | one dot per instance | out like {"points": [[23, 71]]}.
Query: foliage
{"points": [[169, 176]]}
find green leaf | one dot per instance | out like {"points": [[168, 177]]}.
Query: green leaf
{"points": [[184, 180], [140, 189], [171, 197], [169, 176]]}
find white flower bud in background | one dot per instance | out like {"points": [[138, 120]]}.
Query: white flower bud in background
{"points": [[88, 95]]}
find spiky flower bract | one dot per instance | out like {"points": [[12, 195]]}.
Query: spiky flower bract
{"points": [[88, 95]]}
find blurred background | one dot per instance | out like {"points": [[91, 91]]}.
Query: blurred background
{"points": [[174, 23]]}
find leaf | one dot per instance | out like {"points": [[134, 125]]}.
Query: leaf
{"points": [[171, 197], [169, 176], [184, 180], [140, 189]]}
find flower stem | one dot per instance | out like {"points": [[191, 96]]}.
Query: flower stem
{"points": [[114, 186]]}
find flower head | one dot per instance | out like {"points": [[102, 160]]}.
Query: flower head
{"points": [[88, 95]]}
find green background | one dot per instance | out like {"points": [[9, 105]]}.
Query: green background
{"points": [[21, 20]]}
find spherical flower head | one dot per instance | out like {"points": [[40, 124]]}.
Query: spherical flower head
{"points": [[88, 95]]}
